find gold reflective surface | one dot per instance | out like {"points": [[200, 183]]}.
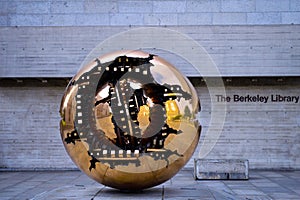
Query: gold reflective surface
{"points": [[129, 120]]}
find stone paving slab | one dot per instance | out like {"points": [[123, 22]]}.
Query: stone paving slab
{"points": [[61, 185]]}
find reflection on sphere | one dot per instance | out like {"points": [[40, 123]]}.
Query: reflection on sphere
{"points": [[129, 120]]}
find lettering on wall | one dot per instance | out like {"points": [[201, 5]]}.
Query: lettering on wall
{"points": [[258, 98]]}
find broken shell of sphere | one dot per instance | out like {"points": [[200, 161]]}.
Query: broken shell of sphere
{"points": [[129, 120]]}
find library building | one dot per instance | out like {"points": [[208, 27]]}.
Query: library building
{"points": [[153, 99]]}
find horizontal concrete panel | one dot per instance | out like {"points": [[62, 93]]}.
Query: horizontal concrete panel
{"points": [[235, 50]]}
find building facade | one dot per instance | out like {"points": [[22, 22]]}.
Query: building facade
{"points": [[255, 45]]}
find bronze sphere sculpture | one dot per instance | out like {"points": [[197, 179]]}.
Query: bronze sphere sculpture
{"points": [[128, 120]]}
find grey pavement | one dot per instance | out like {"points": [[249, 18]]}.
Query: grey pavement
{"points": [[60, 185]]}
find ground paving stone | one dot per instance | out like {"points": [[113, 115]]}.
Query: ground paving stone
{"points": [[58, 185]]}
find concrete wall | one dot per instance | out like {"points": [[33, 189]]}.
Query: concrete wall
{"points": [[29, 128], [272, 50], [267, 134], [248, 38], [149, 12]]}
